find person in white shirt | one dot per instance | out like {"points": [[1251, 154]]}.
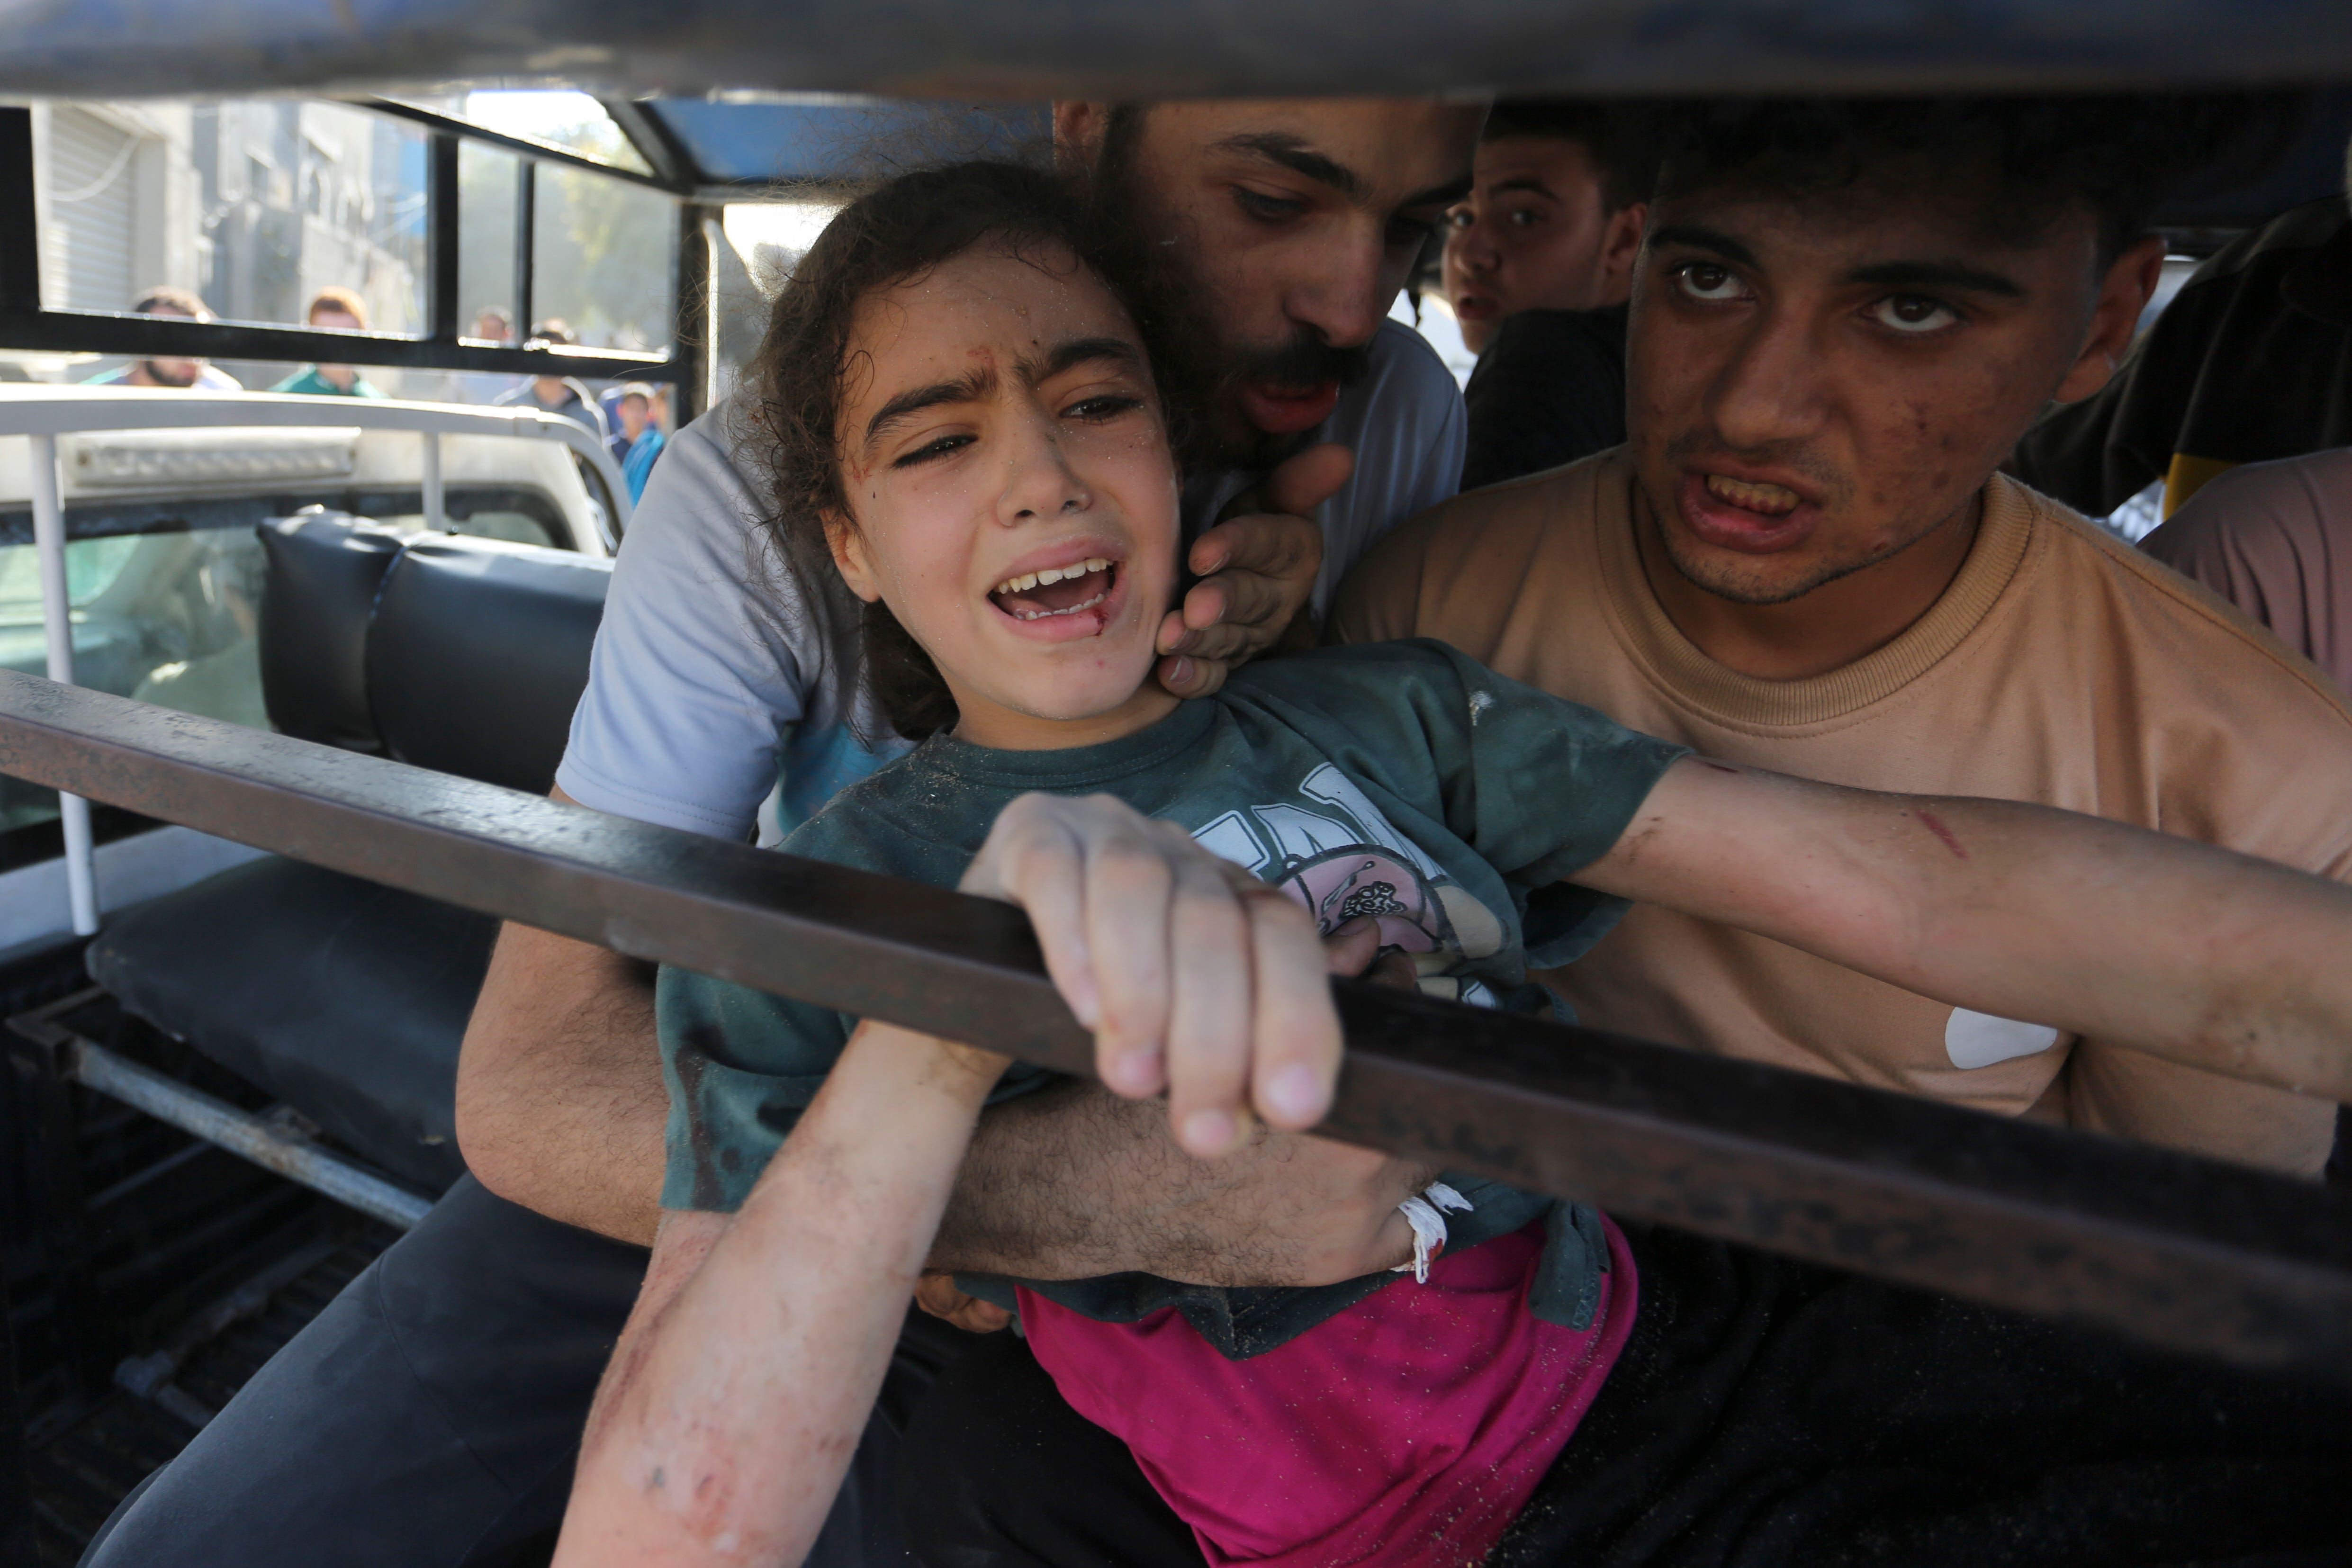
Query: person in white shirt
{"points": [[430, 1415]]}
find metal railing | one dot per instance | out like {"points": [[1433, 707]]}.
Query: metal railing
{"points": [[2164, 1247], [274, 1145]]}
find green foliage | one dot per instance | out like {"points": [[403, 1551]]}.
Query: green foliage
{"points": [[603, 248]]}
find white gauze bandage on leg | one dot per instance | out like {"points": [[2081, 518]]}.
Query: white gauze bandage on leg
{"points": [[1425, 1212]]}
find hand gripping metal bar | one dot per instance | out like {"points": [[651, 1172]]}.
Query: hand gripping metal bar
{"points": [[2170, 1249]]}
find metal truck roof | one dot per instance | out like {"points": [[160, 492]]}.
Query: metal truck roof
{"points": [[1024, 50]]}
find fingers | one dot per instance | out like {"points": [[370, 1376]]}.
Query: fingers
{"points": [[1242, 607], [1258, 570], [1350, 949], [1259, 543], [937, 1294], [979, 1316], [1307, 479], [1269, 558], [1195, 976], [1189, 677], [1035, 856], [1295, 1028], [1395, 972], [1209, 1033], [1198, 631], [1129, 889], [1202, 607], [1354, 950]]}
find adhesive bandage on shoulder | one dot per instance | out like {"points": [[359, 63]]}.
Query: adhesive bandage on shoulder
{"points": [[1425, 1211]]}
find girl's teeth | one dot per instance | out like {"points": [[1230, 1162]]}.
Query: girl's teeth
{"points": [[1074, 609], [1051, 574]]}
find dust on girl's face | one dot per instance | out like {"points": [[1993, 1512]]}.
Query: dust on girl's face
{"points": [[1012, 493]]}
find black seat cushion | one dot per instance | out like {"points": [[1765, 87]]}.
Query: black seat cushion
{"points": [[324, 570], [343, 999], [346, 1000], [477, 654]]}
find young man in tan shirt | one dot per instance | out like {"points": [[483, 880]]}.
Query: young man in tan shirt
{"points": [[1803, 558]]}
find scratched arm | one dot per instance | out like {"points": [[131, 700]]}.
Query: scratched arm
{"points": [[744, 1375], [2192, 954]]}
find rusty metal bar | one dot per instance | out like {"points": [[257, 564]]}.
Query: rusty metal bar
{"points": [[2173, 1251], [264, 1140]]}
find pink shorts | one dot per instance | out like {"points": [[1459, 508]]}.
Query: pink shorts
{"points": [[1411, 1428]]}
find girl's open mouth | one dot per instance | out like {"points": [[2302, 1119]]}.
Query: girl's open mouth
{"points": [[1057, 591]]}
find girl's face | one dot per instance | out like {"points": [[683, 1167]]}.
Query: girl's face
{"points": [[1012, 493]]}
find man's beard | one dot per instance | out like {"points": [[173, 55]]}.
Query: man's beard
{"points": [[1199, 367], [161, 377]]}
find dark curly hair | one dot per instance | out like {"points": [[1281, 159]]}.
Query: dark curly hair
{"points": [[895, 232], [1616, 137], [2019, 162]]}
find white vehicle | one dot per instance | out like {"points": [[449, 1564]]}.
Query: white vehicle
{"points": [[161, 492]]}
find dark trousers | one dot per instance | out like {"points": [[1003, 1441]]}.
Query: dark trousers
{"points": [[1764, 1415], [429, 1417]]}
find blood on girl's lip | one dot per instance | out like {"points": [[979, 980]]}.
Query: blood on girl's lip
{"points": [[1288, 410], [1037, 613], [1722, 521]]}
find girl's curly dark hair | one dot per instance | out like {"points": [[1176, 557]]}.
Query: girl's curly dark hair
{"points": [[895, 232]]}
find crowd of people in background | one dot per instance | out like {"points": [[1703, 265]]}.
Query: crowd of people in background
{"points": [[630, 419], [332, 310], [178, 304]]}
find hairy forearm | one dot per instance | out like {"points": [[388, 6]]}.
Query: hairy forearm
{"points": [[1073, 1181], [737, 1396], [2213, 960], [560, 1100], [1053, 1187], [2202, 957]]}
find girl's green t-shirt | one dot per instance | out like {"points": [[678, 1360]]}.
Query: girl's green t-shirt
{"points": [[1401, 781]]}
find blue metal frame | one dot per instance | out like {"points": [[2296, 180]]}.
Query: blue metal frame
{"points": [[1026, 49]]}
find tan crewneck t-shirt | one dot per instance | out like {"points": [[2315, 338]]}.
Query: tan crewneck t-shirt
{"points": [[2060, 667]]}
